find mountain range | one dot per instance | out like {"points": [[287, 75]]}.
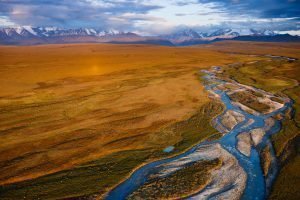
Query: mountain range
{"points": [[27, 35]]}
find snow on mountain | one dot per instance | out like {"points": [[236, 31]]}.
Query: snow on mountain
{"points": [[48, 28], [223, 32], [226, 33], [19, 30], [27, 31], [242, 31], [262, 32], [9, 31], [90, 31], [42, 35], [113, 32], [87, 31], [183, 35], [180, 35]]}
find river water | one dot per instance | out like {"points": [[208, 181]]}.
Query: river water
{"points": [[257, 185]]}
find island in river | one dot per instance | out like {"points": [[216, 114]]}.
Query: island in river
{"points": [[239, 175]]}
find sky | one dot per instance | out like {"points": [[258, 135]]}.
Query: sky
{"points": [[150, 17]]}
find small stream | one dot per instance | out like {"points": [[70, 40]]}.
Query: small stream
{"points": [[257, 185]]}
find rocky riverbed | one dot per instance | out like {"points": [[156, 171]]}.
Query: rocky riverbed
{"points": [[248, 162]]}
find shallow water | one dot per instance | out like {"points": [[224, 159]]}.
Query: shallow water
{"points": [[169, 149], [257, 186]]}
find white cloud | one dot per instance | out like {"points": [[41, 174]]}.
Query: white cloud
{"points": [[5, 21], [291, 32], [149, 16]]}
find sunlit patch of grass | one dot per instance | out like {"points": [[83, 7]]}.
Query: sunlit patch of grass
{"points": [[31, 66], [250, 70], [261, 75]]}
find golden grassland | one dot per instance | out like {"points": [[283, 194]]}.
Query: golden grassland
{"points": [[22, 67], [77, 119], [288, 49]]}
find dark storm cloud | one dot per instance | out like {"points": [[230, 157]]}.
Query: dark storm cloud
{"points": [[280, 15], [72, 13], [259, 8], [284, 25], [131, 15]]}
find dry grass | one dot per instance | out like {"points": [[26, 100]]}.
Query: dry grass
{"points": [[77, 120], [68, 110], [23, 67], [101, 174], [256, 48], [64, 105]]}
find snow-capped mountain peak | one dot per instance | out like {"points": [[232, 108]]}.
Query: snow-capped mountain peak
{"points": [[189, 33], [28, 31], [183, 35], [220, 32], [262, 32], [225, 33]]}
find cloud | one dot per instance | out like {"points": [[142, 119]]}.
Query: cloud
{"points": [[275, 25], [154, 15], [71, 13], [291, 32], [260, 8], [5, 21], [184, 3]]}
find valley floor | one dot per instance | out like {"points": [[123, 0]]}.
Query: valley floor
{"points": [[77, 119]]}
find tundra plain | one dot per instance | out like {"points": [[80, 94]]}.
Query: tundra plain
{"points": [[75, 120]]}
